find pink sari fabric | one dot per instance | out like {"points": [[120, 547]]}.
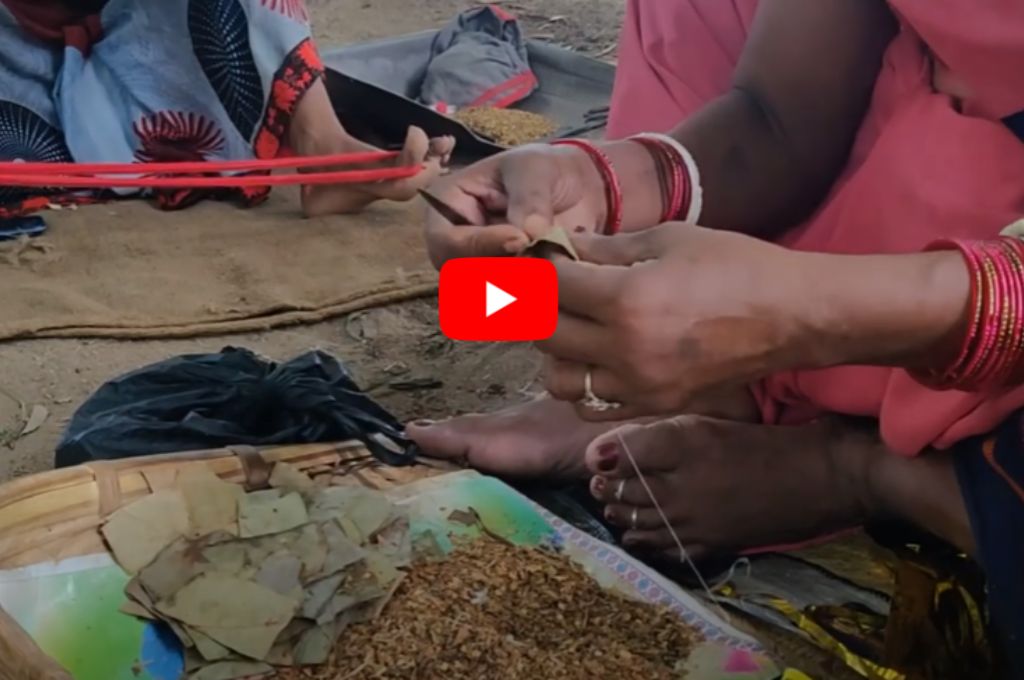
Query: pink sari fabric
{"points": [[921, 168]]}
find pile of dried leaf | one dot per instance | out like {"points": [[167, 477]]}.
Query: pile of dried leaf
{"points": [[253, 581], [508, 127], [492, 610]]}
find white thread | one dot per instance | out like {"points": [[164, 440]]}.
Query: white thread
{"points": [[731, 574], [696, 190], [591, 400], [683, 554]]}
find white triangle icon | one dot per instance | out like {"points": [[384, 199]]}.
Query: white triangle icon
{"points": [[497, 299]]}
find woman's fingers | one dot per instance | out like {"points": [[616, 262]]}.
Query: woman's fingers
{"points": [[475, 198], [496, 240], [577, 340], [589, 291], [626, 249], [567, 381], [530, 179]]}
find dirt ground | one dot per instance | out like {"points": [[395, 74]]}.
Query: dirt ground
{"points": [[400, 343]]}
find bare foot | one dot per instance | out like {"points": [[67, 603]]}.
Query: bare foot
{"points": [[316, 131], [541, 438], [727, 486], [334, 199]]}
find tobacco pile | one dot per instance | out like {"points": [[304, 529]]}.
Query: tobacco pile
{"points": [[492, 610], [327, 583], [508, 127]]}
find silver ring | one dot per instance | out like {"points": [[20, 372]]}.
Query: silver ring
{"points": [[632, 518], [619, 490], [591, 400]]}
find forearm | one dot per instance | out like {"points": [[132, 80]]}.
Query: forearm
{"points": [[751, 179], [892, 310], [770, 148]]}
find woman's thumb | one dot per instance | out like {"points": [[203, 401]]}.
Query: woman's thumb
{"points": [[529, 184], [621, 249]]}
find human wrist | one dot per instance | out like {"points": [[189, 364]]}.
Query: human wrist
{"points": [[895, 310], [638, 176], [580, 164]]}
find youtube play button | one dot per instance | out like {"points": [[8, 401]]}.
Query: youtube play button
{"points": [[498, 299]]}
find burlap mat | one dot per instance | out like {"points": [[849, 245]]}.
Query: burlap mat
{"points": [[128, 270]]}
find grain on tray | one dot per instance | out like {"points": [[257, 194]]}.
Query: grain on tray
{"points": [[508, 127], [491, 610]]}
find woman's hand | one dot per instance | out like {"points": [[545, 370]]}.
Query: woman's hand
{"points": [[669, 315], [661, 317], [514, 197]]}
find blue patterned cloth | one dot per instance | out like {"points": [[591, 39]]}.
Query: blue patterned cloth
{"points": [[165, 80]]}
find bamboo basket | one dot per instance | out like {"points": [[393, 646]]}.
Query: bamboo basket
{"points": [[57, 515]]}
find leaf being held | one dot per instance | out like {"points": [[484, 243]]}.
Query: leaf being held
{"points": [[556, 241]]}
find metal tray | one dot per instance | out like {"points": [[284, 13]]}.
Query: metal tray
{"points": [[373, 86]]}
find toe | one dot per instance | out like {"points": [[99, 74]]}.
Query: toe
{"points": [[657, 538], [605, 456], [633, 517], [417, 146], [629, 491], [445, 439], [442, 148], [655, 448]]}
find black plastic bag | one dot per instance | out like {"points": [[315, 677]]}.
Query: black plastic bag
{"points": [[203, 401]]}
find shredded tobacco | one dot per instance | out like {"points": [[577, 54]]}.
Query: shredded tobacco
{"points": [[508, 127], [493, 610]]}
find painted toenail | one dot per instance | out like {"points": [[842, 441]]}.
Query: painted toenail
{"points": [[598, 485], [608, 457]]}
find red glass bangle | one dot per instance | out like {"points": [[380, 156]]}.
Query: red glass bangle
{"points": [[1015, 248], [666, 173], [943, 378], [681, 194], [613, 188], [992, 353]]}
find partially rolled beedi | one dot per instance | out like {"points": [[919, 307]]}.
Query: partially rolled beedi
{"points": [[556, 240]]}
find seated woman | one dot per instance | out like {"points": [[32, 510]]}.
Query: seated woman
{"points": [[854, 134], [132, 80]]}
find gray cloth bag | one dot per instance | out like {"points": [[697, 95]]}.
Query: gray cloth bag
{"points": [[478, 59]]}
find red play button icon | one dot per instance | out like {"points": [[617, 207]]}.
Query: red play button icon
{"points": [[498, 299]]}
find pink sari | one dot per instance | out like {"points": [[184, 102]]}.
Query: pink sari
{"points": [[920, 169]]}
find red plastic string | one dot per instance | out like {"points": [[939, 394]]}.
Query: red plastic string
{"points": [[193, 182], [254, 164]]}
